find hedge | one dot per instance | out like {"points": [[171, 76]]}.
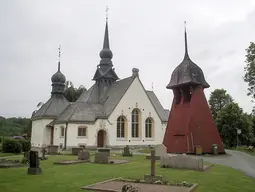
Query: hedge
{"points": [[11, 146]]}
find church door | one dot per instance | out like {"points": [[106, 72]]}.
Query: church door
{"points": [[51, 135], [101, 138]]}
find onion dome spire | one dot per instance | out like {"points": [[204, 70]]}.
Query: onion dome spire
{"points": [[58, 79]]}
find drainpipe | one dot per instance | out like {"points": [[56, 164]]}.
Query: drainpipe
{"points": [[65, 140]]}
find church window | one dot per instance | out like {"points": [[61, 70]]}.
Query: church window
{"points": [[148, 127], [62, 131], [82, 131], [121, 127], [135, 123]]}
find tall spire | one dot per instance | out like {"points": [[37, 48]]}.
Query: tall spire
{"points": [[106, 53], [186, 41]]}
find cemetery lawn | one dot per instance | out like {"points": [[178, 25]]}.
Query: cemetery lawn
{"points": [[70, 178], [245, 150]]}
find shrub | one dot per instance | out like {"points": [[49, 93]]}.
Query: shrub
{"points": [[25, 145], [11, 146], [1, 139], [252, 141]]}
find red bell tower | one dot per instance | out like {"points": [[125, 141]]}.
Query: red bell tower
{"points": [[190, 121]]}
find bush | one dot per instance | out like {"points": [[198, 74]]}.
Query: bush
{"points": [[252, 141], [0, 139], [11, 146], [25, 145]]}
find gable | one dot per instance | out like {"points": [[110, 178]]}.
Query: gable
{"points": [[137, 94]]}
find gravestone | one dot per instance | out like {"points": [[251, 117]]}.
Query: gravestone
{"points": [[34, 168], [127, 152], [104, 150], [102, 157], [76, 150], [181, 162], [151, 178], [160, 150], [53, 149], [84, 155]]}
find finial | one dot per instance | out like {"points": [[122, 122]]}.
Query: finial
{"points": [[185, 36], [152, 86], [59, 55], [106, 12]]}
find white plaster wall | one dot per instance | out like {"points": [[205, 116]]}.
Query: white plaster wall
{"points": [[40, 136], [136, 97], [72, 134]]}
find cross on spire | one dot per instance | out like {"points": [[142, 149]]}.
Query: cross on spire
{"points": [[59, 55], [106, 12]]}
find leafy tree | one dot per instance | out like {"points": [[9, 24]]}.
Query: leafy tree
{"points": [[229, 119], [219, 98], [249, 69], [72, 93]]}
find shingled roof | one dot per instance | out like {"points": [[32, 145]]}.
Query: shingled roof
{"points": [[52, 108]]}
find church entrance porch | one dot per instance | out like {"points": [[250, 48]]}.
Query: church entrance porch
{"points": [[101, 138]]}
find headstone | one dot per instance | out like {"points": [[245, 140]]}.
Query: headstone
{"points": [[76, 150], [151, 178], [34, 168], [160, 150], [84, 155], [102, 157], [53, 149], [127, 152], [105, 150], [181, 162]]}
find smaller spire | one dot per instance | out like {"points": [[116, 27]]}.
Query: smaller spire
{"points": [[186, 41], [106, 12], [59, 55]]}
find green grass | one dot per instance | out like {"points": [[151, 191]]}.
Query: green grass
{"points": [[70, 178], [144, 150], [245, 150], [9, 154]]}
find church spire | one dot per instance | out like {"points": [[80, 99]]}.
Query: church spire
{"points": [[186, 42], [105, 70], [106, 53], [58, 79]]}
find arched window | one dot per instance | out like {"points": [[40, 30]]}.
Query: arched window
{"points": [[121, 127], [135, 123], [148, 127]]}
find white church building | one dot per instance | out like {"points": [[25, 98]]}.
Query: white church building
{"points": [[112, 113]]}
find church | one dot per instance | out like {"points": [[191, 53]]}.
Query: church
{"points": [[112, 113]]}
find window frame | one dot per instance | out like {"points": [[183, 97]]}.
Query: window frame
{"points": [[135, 123], [80, 132], [120, 129]]}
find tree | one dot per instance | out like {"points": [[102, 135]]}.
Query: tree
{"points": [[249, 69], [71, 93], [219, 98], [229, 119]]}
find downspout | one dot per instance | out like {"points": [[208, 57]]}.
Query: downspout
{"points": [[65, 136]]}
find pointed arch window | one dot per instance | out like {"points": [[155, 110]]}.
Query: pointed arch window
{"points": [[135, 123], [149, 128], [121, 127]]}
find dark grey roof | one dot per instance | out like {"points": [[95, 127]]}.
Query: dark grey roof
{"points": [[187, 72], [52, 108], [88, 108], [162, 113]]}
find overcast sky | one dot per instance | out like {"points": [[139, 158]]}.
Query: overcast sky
{"points": [[145, 34]]}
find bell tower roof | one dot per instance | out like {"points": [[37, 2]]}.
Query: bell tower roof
{"points": [[187, 72]]}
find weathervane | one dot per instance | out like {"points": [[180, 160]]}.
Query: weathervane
{"points": [[106, 12], [185, 24]]}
